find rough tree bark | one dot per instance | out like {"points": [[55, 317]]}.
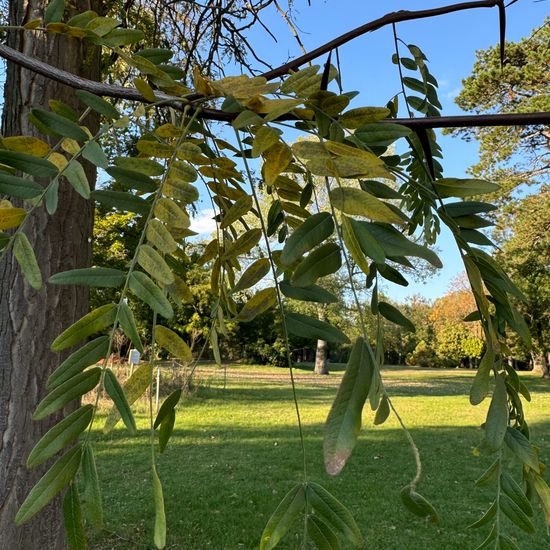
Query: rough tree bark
{"points": [[30, 319]]}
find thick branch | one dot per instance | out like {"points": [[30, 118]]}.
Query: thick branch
{"points": [[388, 19], [120, 92]]}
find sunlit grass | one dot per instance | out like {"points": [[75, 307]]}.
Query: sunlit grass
{"points": [[235, 452]]}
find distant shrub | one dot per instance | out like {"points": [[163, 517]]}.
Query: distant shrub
{"points": [[423, 356]]}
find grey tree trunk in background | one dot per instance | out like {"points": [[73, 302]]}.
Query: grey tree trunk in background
{"points": [[321, 353], [30, 319]]}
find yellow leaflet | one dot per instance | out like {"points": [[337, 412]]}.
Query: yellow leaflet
{"points": [[11, 217], [26, 144], [145, 90], [276, 160], [58, 160]]}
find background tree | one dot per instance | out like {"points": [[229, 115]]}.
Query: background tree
{"points": [[511, 155], [525, 254]]}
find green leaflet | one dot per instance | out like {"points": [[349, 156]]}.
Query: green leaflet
{"points": [[490, 475], [522, 448], [24, 254], [243, 244], [160, 517], [74, 172], [95, 154], [259, 303], [53, 481], [72, 519], [154, 264], [171, 342], [394, 243], [116, 393], [456, 187], [51, 197], [515, 514], [133, 389], [486, 517], [344, 419], [60, 125], [91, 492], [121, 200], [490, 538], [380, 190], [353, 246], [497, 416], [238, 210], [23, 188], [515, 493], [361, 242], [543, 491], [60, 435], [482, 381], [166, 429], [34, 166], [392, 314], [351, 200], [179, 290], [54, 11], [320, 262], [283, 517], [147, 291], [254, 274], [98, 104], [169, 405], [73, 388], [475, 237], [321, 534], [101, 277], [418, 504], [128, 325], [93, 322], [333, 513], [120, 37], [466, 208], [309, 293], [87, 355], [382, 412], [381, 134], [156, 55], [308, 327], [506, 543], [313, 231], [132, 179]]}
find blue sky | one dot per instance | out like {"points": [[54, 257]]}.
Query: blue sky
{"points": [[450, 43]]}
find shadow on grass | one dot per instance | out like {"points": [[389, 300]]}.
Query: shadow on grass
{"points": [[222, 482]]}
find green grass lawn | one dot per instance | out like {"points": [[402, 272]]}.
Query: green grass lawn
{"points": [[235, 452]]}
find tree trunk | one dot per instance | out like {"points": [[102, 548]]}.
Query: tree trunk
{"points": [[321, 362], [321, 353], [31, 319], [540, 364]]}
